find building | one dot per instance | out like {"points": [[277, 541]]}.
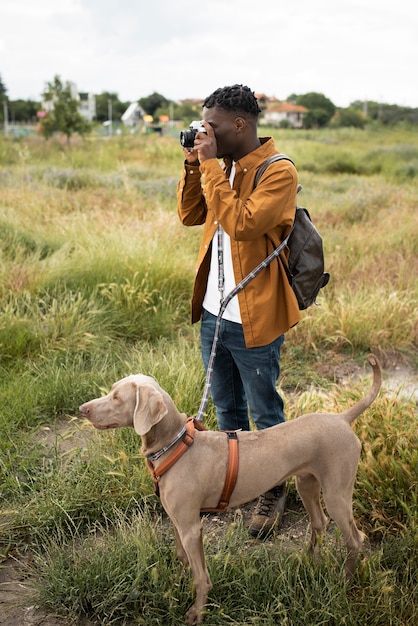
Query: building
{"points": [[284, 114], [265, 101], [133, 115], [86, 103]]}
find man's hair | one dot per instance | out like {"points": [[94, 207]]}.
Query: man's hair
{"points": [[235, 98]]}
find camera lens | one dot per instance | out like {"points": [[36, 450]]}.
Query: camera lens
{"points": [[187, 138]]}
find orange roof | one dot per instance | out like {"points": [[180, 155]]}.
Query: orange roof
{"points": [[262, 96], [288, 107]]}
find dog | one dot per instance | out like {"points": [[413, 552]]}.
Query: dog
{"points": [[320, 449]]}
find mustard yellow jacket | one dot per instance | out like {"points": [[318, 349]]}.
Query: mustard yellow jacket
{"points": [[256, 221]]}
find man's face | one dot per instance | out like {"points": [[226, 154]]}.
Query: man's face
{"points": [[224, 127]]}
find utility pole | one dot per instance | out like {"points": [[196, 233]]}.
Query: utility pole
{"points": [[6, 118], [365, 108], [109, 114]]}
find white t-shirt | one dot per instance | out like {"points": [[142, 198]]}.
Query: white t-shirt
{"points": [[211, 301]]}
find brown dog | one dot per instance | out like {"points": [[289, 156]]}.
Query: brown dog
{"points": [[320, 449]]}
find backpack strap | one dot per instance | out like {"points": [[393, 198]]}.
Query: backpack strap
{"points": [[276, 157], [264, 166]]}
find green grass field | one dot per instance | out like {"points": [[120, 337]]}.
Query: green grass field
{"points": [[96, 275]]}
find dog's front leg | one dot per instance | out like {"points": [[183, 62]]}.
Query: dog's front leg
{"points": [[185, 517], [190, 551], [181, 554], [193, 545]]}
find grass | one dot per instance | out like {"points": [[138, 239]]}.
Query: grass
{"points": [[95, 282], [254, 584]]}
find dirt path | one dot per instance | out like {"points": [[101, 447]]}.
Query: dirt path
{"points": [[16, 608]]}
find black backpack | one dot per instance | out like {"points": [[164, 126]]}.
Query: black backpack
{"points": [[305, 267]]}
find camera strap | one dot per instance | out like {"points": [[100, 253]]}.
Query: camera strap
{"points": [[221, 269], [230, 174]]}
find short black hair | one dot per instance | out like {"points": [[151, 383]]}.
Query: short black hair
{"points": [[234, 98]]}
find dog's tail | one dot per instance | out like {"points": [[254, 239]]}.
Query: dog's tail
{"points": [[350, 414]]}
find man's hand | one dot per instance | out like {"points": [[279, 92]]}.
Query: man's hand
{"points": [[191, 156], [205, 144]]}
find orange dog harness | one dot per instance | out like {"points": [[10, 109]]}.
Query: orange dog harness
{"points": [[185, 443]]}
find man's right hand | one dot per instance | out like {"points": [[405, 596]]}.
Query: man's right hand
{"points": [[205, 144]]}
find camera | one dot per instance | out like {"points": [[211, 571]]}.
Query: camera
{"points": [[187, 136]]}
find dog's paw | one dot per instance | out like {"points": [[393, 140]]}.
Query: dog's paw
{"points": [[194, 616]]}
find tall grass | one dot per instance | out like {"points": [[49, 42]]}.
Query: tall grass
{"points": [[95, 283]]}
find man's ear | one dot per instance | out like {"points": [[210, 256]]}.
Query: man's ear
{"points": [[150, 408], [240, 124]]}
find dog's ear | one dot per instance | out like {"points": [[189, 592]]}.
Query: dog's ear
{"points": [[150, 408]]}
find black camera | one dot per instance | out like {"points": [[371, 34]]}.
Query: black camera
{"points": [[187, 136]]}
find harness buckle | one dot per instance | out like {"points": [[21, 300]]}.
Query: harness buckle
{"points": [[188, 439]]}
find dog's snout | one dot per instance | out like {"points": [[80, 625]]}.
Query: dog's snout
{"points": [[84, 409]]}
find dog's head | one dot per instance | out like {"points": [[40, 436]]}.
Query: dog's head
{"points": [[136, 401]]}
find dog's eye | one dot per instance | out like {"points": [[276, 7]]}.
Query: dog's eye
{"points": [[115, 396]]}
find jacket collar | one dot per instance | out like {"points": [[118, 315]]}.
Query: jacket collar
{"points": [[253, 159]]}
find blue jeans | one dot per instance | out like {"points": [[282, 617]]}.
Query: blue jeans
{"points": [[243, 378]]}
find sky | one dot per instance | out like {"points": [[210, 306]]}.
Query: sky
{"points": [[346, 50]]}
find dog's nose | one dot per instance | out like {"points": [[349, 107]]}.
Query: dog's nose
{"points": [[84, 409]]}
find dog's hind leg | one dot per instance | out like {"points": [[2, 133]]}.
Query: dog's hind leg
{"points": [[337, 490], [309, 490], [339, 506]]}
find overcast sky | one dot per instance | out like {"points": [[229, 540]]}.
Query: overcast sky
{"points": [[347, 50]]}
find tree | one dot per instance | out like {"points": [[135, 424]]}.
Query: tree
{"points": [[3, 98], [3, 89], [349, 117], [387, 114], [102, 106], [23, 110], [320, 109], [187, 111], [151, 103], [63, 116]]}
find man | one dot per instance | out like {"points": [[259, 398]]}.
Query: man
{"points": [[242, 226]]}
